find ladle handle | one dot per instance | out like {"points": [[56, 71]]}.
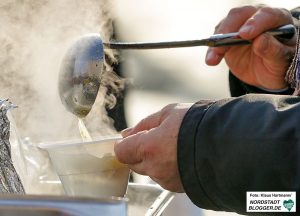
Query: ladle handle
{"points": [[229, 39]]}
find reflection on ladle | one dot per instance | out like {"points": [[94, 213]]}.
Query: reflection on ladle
{"points": [[80, 74], [81, 68]]}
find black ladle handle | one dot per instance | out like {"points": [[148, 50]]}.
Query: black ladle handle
{"points": [[229, 39]]}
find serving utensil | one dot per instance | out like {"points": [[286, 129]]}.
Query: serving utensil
{"points": [[81, 68]]}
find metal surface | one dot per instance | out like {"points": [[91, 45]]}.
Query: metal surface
{"points": [[141, 199], [80, 74], [31, 205], [29, 211]]}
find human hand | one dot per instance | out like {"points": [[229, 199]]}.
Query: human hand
{"points": [[263, 63], [150, 148]]}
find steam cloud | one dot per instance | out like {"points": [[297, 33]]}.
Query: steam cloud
{"points": [[34, 36]]}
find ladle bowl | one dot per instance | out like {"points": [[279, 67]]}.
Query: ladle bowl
{"points": [[80, 74]]}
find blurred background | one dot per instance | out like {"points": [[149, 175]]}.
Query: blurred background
{"points": [[34, 36]]}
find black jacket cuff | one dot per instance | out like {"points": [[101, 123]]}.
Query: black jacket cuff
{"points": [[186, 160]]}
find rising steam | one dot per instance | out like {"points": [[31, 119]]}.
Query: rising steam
{"points": [[34, 36]]}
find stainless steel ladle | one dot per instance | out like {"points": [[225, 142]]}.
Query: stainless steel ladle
{"points": [[81, 68]]}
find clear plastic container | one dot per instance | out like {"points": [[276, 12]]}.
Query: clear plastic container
{"points": [[89, 168]]}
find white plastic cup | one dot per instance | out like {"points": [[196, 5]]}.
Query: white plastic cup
{"points": [[89, 168]]}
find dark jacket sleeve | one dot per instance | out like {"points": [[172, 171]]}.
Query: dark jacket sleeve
{"points": [[231, 146]]}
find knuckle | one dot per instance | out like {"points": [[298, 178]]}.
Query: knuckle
{"points": [[275, 13], [238, 10], [278, 15], [140, 146], [233, 11], [167, 109], [218, 26], [143, 122], [269, 10], [248, 8], [286, 13], [144, 149]]}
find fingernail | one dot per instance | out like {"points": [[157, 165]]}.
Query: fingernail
{"points": [[209, 56], [247, 29], [126, 132]]}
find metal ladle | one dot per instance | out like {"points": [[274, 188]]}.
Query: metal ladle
{"points": [[81, 68]]}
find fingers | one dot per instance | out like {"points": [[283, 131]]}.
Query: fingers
{"points": [[151, 153], [150, 148], [265, 19], [250, 21], [147, 123], [214, 56], [151, 121], [134, 147], [234, 20]]}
